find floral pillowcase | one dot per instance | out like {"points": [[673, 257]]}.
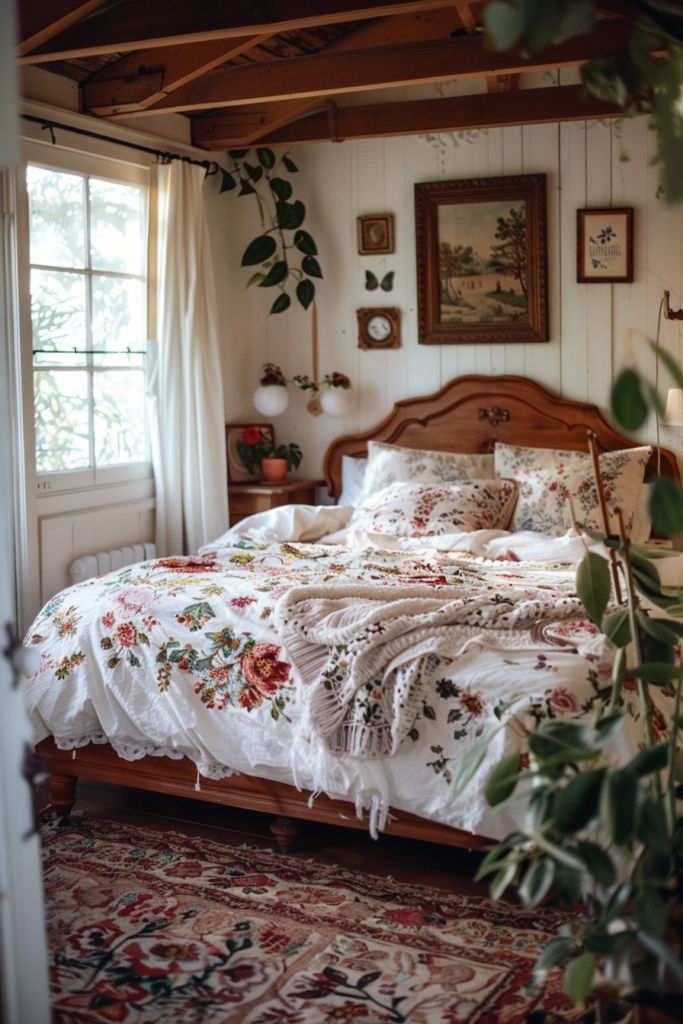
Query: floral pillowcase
{"points": [[553, 482], [390, 463], [423, 510]]}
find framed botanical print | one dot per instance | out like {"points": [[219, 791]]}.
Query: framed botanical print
{"points": [[481, 260], [234, 432], [604, 246]]}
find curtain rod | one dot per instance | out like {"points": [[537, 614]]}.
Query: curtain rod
{"points": [[210, 166]]}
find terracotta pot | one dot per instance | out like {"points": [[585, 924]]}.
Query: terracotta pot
{"points": [[274, 471]]}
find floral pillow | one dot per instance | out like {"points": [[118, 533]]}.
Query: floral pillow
{"points": [[552, 482], [390, 463], [424, 510]]}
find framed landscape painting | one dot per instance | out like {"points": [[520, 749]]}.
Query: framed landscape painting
{"points": [[481, 260]]}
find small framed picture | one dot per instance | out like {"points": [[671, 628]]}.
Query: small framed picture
{"points": [[376, 234], [604, 242], [234, 432]]}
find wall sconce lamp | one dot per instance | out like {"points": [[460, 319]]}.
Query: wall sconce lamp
{"points": [[332, 395]]}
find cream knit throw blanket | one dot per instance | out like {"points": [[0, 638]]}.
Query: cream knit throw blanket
{"points": [[365, 653]]}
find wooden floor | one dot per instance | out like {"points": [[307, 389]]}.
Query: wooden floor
{"points": [[403, 859]]}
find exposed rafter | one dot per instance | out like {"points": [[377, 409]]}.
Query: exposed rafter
{"points": [[141, 24], [40, 22], [128, 90], [451, 114], [334, 73]]}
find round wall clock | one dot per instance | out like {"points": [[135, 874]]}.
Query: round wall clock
{"points": [[379, 328]]}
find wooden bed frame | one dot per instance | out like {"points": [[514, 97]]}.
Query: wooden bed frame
{"points": [[469, 415]]}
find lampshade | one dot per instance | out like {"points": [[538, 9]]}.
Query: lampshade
{"points": [[674, 408], [336, 401], [271, 399]]}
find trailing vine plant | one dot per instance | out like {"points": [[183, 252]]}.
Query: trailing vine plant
{"points": [[284, 252]]}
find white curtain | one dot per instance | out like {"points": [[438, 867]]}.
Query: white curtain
{"points": [[189, 446]]}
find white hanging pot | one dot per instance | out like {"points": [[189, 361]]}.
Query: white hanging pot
{"points": [[271, 399], [336, 401]]}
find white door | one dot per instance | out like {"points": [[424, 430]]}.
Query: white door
{"points": [[23, 959]]}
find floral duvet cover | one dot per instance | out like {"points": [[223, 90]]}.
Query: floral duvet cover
{"points": [[180, 657]]}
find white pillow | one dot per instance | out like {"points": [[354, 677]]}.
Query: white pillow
{"points": [[427, 510], [353, 474], [552, 481], [391, 463], [642, 520]]}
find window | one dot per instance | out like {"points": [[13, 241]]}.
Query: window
{"points": [[88, 308]]}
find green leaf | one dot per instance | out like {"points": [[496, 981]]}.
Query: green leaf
{"points": [[371, 282], [598, 862], [651, 913], [281, 188], [255, 173], [246, 189], [503, 879], [237, 154], [504, 24], [578, 979], [618, 811], [564, 743], [262, 248], [228, 183], [305, 242], [290, 165], [305, 292], [649, 760], [628, 401], [670, 362], [537, 881], [657, 629], [255, 278], [593, 585], [502, 780], [310, 266], [468, 765], [655, 672], [663, 952], [281, 303], [617, 627], [577, 803], [666, 507], [388, 282], [609, 727], [277, 273], [554, 953], [290, 215], [266, 157]]}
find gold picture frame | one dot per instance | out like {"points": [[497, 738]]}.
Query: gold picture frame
{"points": [[481, 260], [375, 234]]}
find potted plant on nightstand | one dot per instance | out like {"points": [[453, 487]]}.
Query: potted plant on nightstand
{"points": [[256, 450]]}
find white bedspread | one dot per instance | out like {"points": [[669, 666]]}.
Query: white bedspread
{"points": [[182, 657]]}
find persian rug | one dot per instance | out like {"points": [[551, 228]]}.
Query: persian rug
{"points": [[153, 927]]}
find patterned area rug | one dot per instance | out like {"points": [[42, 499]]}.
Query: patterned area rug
{"points": [[148, 927]]}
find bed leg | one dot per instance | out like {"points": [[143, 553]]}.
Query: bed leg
{"points": [[285, 831], [62, 793]]}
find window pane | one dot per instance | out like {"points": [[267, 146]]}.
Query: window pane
{"points": [[116, 214], [118, 320], [57, 217], [119, 417], [61, 415], [58, 315]]}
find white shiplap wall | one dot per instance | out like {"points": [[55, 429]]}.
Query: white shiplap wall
{"points": [[595, 329]]}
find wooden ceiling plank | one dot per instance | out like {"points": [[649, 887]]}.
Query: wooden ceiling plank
{"points": [[41, 21], [469, 22], [153, 23], [330, 74], [451, 114], [128, 83]]}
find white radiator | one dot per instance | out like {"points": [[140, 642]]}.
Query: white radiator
{"points": [[106, 561]]}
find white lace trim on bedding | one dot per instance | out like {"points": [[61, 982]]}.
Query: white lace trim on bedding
{"points": [[136, 751]]}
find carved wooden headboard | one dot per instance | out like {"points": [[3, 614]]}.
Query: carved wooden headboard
{"points": [[471, 413]]}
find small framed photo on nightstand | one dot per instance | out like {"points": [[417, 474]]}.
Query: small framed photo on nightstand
{"points": [[234, 433]]}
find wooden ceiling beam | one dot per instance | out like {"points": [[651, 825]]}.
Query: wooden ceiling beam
{"points": [[141, 24], [437, 24], [451, 114], [41, 21], [139, 79], [336, 73], [464, 9]]}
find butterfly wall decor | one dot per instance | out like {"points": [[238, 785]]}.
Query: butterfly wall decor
{"points": [[372, 282]]}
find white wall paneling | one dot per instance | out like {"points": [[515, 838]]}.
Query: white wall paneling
{"points": [[594, 329]]}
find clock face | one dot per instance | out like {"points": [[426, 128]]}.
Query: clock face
{"points": [[379, 328]]}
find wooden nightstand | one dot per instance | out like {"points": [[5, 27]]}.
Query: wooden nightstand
{"points": [[246, 499]]}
